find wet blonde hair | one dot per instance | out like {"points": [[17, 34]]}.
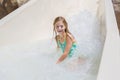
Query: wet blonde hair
{"points": [[60, 18]]}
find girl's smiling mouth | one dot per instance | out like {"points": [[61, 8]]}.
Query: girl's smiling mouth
{"points": [[60, 31]]}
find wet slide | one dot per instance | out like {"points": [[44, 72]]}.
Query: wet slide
{"points": [[28, 50]]}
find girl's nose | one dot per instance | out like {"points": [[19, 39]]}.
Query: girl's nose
{"points": [[59, 27]]}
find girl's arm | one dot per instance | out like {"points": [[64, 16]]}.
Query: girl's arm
{"points": [[67, 49]]}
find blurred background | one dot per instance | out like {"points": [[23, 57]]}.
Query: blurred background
{"points": [[7, 6], [116, 4]]}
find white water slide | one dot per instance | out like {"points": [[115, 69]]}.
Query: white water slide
{"points": [[28, 50]]}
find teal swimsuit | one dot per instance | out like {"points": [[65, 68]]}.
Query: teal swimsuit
{"points": [[63, 45]]}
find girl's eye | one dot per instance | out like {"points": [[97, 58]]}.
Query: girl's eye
{"points": [[61, 26], [57, 26]]}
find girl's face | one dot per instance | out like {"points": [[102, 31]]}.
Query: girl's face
{"points": [[60, 27]]}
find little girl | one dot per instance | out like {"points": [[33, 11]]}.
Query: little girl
{"points": [[65, 40]]}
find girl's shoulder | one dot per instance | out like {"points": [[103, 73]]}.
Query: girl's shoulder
{"points": [[71, 37]]}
